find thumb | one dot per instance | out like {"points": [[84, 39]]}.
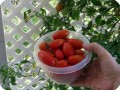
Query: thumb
{"points": [[98, 49]]}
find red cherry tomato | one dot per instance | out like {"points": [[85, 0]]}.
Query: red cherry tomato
{"points": [[43, 46], [59, 54], [77, 44], [75, 59], [51, 53], [46, 58], [79, 52], [68, 65], [59, 6], [56, 43], [60, 34], [68, 50], [61, 63]]}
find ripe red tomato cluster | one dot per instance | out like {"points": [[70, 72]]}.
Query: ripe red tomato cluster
{"points": [[61, 51]]}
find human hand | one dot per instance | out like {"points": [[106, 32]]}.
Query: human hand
{"points": [[103, 73]]}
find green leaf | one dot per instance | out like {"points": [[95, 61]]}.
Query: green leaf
{"points": [[29, 11], [114, 3], [65, 11], [56, 22], [76, 88], [19, 75], [20, 67], [71, 2], [75, 15], [91, 30], [102, 22], [24, 61], [98, 19], [81, 4], [4, 79], [91, 11], [60, 86], [13, 80], [42, 11], [95, 32], [90, 34], [72, 28], [89, 25], [27, 15], [96, 2], [8, 88], [110, 20], [104, 10], [26, 43]]}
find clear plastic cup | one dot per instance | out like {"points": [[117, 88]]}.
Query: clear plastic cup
{"points": [[64, 75]]}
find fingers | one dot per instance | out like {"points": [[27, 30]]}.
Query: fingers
{"points": [[80, 82], [83, 82], [99, 50]]}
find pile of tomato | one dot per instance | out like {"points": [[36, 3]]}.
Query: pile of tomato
{"points": [[62, 51]]}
